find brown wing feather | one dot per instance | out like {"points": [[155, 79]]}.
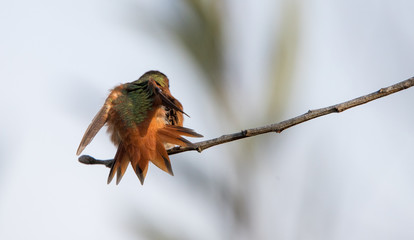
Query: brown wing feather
{"points": [[97, 123]]}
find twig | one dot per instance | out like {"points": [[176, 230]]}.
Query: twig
{"points": [[86, 159], [276, 127]]}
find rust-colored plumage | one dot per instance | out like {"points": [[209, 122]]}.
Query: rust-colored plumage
{"points": [[144, 120]]}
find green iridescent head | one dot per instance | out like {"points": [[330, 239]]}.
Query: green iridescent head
{"points": [[156, 76]]}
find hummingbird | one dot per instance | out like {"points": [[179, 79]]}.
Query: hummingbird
{"points": [[144, 121]]}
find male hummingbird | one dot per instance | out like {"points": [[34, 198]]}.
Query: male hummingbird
{"points": [[144, 120]]}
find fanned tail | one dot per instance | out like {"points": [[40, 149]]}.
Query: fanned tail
{"points": [[139, 154], [134, 154]]}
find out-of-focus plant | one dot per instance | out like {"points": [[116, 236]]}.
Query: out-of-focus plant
{"points": [[199, 29]]}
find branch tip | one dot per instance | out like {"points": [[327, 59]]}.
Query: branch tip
{"points": [[199, 149], [86, 159]]}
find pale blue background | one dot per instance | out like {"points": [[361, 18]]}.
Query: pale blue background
{"points": [[343, 176]]}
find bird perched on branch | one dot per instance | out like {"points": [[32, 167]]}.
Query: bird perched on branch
{"points": [[144, 120]]}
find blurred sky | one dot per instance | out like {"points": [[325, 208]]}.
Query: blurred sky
{"points": [[343, 176]]}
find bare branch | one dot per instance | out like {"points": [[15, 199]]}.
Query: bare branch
{"points": [[276, 127]]}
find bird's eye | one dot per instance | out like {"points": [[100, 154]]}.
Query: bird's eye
{"points": [[158, 84]]}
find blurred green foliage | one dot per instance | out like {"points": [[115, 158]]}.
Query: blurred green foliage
{"points": [[199, 29]]}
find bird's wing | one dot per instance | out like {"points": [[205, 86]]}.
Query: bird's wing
{"points": [[97, 123]]}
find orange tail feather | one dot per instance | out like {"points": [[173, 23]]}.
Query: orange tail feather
{"points": [[120, 165], [139, 160], [162, 160], [179, 131]]}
